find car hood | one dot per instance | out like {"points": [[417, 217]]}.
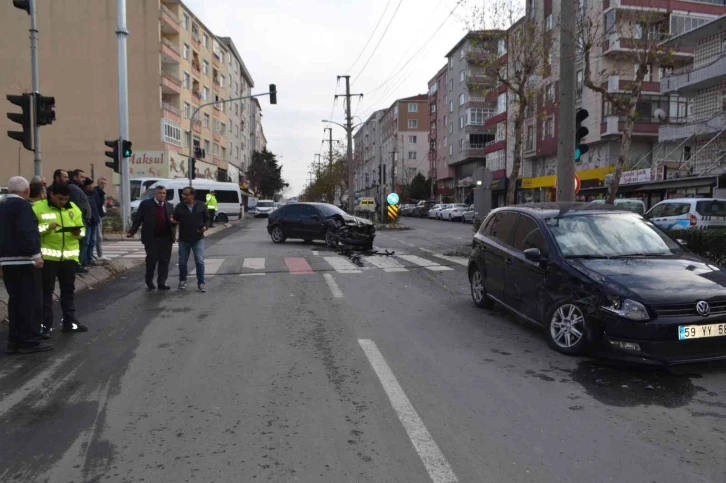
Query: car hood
{"points": [[656, 280], [356, 221]]}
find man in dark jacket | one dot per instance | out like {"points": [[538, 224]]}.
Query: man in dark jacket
{"points": [[154, 216], [21, 262], [101, 198], [192, 217], [92, 224]]}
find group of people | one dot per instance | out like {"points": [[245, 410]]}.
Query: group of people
{"points": [[41, 242]]}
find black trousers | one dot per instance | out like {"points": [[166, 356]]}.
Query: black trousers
{"points": [[158, 252], [65, 273], [211, 217], [24, 286]]}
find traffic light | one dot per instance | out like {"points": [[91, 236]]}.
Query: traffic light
{"points": [[24, 119], [113, 154], [192, 168], [273, 94], [44, 110], [22, 5], [126, 149], [580, 132]]}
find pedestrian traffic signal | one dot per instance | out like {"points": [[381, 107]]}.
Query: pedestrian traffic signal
{"points": [[580, 132], [113, 154], [24, 119], [273, 94], [192, 168], [44, 110], [126, 149]]}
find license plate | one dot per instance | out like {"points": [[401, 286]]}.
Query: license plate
{"points": [[686, 332]]}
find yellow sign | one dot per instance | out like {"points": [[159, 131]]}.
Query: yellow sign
{"points": [[551, 181], [392, 212]]}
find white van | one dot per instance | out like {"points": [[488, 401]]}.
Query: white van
{"points": [[229, 197], [682, 213], [631, 204], [140, 185]]}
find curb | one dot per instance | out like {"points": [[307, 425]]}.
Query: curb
{"points": [[392, 227], [97, 274]]}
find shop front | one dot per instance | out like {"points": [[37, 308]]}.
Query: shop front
{"points": [[499, 190], [544, 188]]}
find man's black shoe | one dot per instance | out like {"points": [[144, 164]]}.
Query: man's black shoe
{"points": [[74, 327], [46, 332], [150, 287], [163, 286], [29, 349]]}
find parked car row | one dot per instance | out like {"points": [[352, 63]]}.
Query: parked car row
{"points": [[452, 212]]}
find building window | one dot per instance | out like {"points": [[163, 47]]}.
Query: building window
{"points": [[413, 107], [461, 122], [462, 99], [205, 93], [187, 110], [206, 146], [496, 160], [502, 47], [451, 149], [223, 130], [205, 67], [433, 108], [477, 116], [185, 22], [412, 123], [433, 125], [461, 76], [224, 153], [502, 103], [550, 127], [501, 132], [451, 106], [187, 80], [172, 133], [529, 140], [186, 51], [461, 145], [451, 128], [216, 150], [205, 122], [412, 155], [579, 83], [550, 92], [412, 139], [549, 24], [187, 135], [205, 41], [451, 84]]}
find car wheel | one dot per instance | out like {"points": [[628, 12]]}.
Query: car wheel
{"points": [[331, 239], [478, 290], [222, 218], [565, 329], [277, 235]]}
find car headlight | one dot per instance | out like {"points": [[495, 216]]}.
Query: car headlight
{"points": [[629, 309]]}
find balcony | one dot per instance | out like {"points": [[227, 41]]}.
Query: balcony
{"points": [[169, 52], [196, 126], [196, 97], [707, 73], [475, 147], [172, 109], [616, 45], [169, 21], [196, 69], [703, 125], [616, 84], [645, 126], [170, 83], [196, 41]]}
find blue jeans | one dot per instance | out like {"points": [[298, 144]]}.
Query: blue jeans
{"points": [[90, 245], [198, 249]]}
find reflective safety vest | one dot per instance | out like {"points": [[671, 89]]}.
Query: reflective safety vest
{"points": [[57, 245], [211, 202]]}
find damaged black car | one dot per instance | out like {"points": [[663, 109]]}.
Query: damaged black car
{"points": [[600, 281], [320, 221]]}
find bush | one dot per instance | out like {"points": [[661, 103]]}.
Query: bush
{"points": [[112, 222], [709, 244]]}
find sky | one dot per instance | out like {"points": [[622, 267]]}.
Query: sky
{"points": [[303, 45]]}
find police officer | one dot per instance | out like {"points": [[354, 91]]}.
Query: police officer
{"points": [[60, 223], [211, 206]]}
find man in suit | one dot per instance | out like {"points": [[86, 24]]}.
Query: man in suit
{"points": [[154, 216]]}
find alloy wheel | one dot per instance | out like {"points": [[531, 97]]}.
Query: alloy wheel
{"points": [[567, 326], [277, 234], [477, 286]]}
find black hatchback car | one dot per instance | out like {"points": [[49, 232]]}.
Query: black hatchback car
{"points": [[320, 221], [600, 279]]}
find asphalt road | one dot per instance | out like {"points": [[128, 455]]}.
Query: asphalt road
{"points": [[300, 366]]}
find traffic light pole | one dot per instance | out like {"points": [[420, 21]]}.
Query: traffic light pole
{"points": [[123, 112], [38, 158], [566, 144]]}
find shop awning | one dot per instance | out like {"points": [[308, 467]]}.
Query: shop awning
{"points": [[679, 183]]}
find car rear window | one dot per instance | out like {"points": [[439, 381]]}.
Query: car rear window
{"points": [[711, 208], [632, 206]]}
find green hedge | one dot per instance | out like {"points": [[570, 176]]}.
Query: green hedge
{"points": [[710, 244]]}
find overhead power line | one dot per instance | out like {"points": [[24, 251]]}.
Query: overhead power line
{"points": [[370, 38], [379, 40]]}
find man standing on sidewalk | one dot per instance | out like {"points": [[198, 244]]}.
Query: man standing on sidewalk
{"points": [[212, 206], [60, 223], [92, 224], [21, 263], [154, 216], [101, 194], [192, 217]]}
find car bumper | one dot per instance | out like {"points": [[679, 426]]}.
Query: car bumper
{"points": [[657, 342]]}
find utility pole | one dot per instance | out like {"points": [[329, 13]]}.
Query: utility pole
{"points": [[317, 166], [349, 129], [330, 147], [38, 159], [566, 144], [123, 111]]}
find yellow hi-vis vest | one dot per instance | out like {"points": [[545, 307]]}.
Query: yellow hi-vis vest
{"points": [[211, 202], [56, 245]]}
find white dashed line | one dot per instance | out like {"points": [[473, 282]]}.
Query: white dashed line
{"points": [[422, 262], [458, 260], [433, 459], [337, 293]]}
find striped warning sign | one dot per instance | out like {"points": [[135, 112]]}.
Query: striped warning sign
{"points": [[392, 212]]}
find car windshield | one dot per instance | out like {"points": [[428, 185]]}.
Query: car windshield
{"points": [[265, 204], [609, 235], [330, 210], [633, 206]]}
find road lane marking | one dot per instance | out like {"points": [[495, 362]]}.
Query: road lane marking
{"points": [[337, 293], [427, 264], [387, 264], [298, 266], [35, 383], [251, 274], [211, 267], [433, 459], [254, 263], [341, 265], [316, 253], [458, 260]]}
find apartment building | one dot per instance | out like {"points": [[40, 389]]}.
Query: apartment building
{"points": [[702, 131], [175, 64], [475, 114], [404, 134], [257, 133], [623, 27], [367, 155], [440, 172]]}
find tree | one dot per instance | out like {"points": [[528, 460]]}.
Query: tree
{"points": [[264, 174], [420, 188], [329, 180], [642, 30], [528, 51]]}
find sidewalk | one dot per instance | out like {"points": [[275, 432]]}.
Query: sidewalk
{"points": [[110, 269]]}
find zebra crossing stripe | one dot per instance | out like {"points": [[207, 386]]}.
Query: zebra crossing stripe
{"points": [[422, 262], [341, 265], [254, 263], [458, 260], [387, 264]]}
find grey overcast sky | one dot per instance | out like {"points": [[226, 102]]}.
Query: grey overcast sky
{"points": [[302, 45]]}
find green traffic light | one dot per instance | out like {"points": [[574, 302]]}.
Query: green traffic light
{"points": [[127, 153], [577, 154]]}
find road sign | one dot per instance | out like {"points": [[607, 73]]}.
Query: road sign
{"points": [[578, 184], [392, 211], [392, 199]]}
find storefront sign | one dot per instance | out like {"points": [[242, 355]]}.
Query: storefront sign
{"points": [[551, 181], [632, 177], [149, 164], [498, 184]]}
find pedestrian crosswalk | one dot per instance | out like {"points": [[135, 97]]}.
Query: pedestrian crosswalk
{"points": [[125, 249]]}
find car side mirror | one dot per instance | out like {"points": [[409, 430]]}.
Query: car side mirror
{"points": [[533, 255]]}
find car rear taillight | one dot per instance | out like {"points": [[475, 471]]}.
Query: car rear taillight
{"points": [[692, 219]]}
